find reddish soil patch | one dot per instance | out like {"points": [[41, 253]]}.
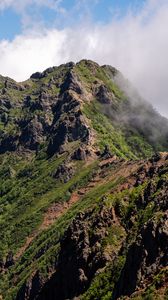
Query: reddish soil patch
{"points": [[125, 169], [56, 210], [25, 246], [50, 216]]}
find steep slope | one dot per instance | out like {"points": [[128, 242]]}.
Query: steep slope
{"points": [[79, 193]]}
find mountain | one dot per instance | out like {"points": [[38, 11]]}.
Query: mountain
{"points": [[83, 187]]}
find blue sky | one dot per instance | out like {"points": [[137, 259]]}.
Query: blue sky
{"points": [[14, 20], [10, 24]]}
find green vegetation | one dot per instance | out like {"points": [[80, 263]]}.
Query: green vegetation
{"points": [[89, 72], [103, 284], [49, 239], [26, 196], [152, 292], [111, 135]]}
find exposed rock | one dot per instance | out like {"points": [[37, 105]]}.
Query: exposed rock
{"points": [[103, 95], [8, 143], [11, 84], [31, 288], [63, 173], [32, 134], [113, 72], [72, 83], [106, 153], [80, 154], [5, 103], [32, 104], [67, 131], [37, 75], [81, 255], [9, 260], [68, 124], [1, 266], [145, 257]]}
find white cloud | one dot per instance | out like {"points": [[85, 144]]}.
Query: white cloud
{"points": [[137, 45], [31, 52], [19, 5], [30, 19]]}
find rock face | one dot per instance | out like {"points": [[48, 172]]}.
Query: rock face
{"points": [[146, 257], [68, 124], [8, 143], [31, 288], [81, 255], [55, 119], [103, 95], [64, 173], [81, 154], [32, 134]]}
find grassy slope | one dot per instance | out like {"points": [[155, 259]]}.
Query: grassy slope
{"points": [[133, 146], [102, 285], [49, 239]]}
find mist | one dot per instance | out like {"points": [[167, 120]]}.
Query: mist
{"points": [[133, 114]]}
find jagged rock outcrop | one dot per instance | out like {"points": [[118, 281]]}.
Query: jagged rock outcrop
{"points": [[81, 255], [57, 119], [32, 134], [81, 154], [71, 128], [64, 173], [8, 143], [145, 257], [103, 95], [30, 289]]}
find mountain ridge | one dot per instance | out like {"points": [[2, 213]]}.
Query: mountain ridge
{"points": [[103, 88], [83, 174]]}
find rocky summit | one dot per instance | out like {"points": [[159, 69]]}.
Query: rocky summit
{"points": [[83, 188]]}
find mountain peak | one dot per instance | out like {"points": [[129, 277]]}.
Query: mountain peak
{"points": [[83, 187], [63, 104]]}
